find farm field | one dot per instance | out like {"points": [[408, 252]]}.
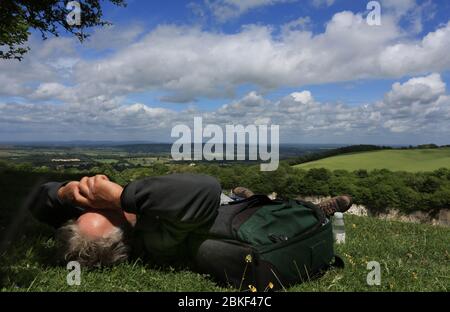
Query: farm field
{"points": [[415, 160]]}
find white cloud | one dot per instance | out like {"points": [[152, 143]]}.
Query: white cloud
{"points": [[417, 90], [420, 104], [188, 63], [224, 10], [410, 12], [113, 37], [419, 107], [51, 91], [48, 61], [301, 23], [431, 53], [399, 7], [323, 3], [302, 97], [403, 111]]}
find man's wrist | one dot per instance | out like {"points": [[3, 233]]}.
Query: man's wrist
{"points": [[117, 199], [60, 193]]}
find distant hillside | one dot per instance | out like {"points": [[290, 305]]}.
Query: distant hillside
{"points": [[308, 157], [411, 160]]}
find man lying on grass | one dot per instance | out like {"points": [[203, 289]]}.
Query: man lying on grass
{"points": [[100, 223]]}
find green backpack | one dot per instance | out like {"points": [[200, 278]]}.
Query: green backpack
{"points": [[261, 244]]}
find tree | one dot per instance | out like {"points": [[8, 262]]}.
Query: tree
{"points": [[49, 17]]}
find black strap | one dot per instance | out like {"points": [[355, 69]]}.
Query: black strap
{"points": [[257, 199], [222, 226], [320, 215], [338, 262]]}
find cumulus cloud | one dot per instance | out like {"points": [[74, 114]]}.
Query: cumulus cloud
{"points": [[224, 10], [96, 121], [420, 107], [56, 90], [52, 91], [420, 104], [429, 53], [410, 12], [187, 63], [323, 3], [113, 37], [49, 61], [416, 90], [399, 7], [301, 23]]}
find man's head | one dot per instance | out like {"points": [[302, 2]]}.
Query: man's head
{"points": [[98, 237], [100, 223], [92, 251]]}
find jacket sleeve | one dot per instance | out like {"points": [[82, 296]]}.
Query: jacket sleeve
{"points": [[179, 198], [169, 209], [46, 207]]}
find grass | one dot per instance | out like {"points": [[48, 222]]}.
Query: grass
{"points": [[413, 257], [395, 160]]}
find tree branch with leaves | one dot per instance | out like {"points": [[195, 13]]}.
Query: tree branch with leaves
{"points": [[48, 17]]}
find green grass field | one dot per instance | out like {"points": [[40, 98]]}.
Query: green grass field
{"points": [[413, 257], [395, 160]]}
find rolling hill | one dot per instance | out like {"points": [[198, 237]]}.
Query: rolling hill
{"points": [[413, 160]]}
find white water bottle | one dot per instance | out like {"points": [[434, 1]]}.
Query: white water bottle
{"points": [[339, 228]]}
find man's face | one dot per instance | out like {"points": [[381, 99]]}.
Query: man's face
{"points": [[100, 223]]}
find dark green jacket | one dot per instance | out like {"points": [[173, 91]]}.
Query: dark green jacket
{"points": [[172, 212]]}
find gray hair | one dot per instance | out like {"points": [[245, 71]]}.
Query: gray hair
{"points": [[99, 252]]}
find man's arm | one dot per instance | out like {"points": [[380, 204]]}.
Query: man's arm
{"points": [[52, 203], [180, 198], [169, 209]]}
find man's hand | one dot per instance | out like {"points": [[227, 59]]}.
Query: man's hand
{"points": [[100, 192], [71, 193], [92, 193]]}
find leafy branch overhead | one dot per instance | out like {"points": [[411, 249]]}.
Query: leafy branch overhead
{"points": [[48, 17]]}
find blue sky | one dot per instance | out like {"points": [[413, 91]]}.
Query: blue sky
{"points": [[315, 67]]}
